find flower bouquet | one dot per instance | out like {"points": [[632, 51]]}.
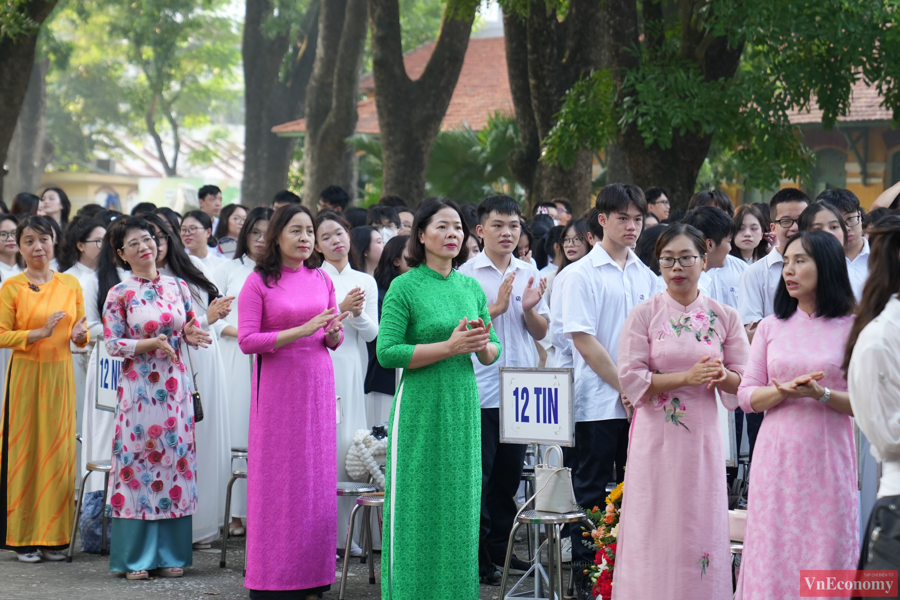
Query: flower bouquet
{"points": [[602, 539]]}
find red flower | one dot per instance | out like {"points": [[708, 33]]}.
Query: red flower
{"points": [[155, 431], [188, 475], [151, 326], [117, 501], [126, 474], [609, 519], [134, 484], [126, 365], [182, 465], [166, 319], [129, 295], [156, 485], [175, 493], [171, 385], [155, 457], [153, 377], [171, 423]]}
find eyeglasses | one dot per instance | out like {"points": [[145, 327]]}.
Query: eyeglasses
{"points": [[573, 241], [7, 235], [98, 241], [190, 230], [853, 221], [663, 202], [258, 235], [787, 223], [667, 262], [147, 240], [237, 219]]}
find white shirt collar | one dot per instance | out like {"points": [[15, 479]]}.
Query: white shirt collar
{"points": [[774, 257], [332, 270], [599, 257], [863, 254], [483, 261]]}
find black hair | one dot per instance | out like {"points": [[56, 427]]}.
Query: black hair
{"points": [[876, 215], [386, 271], [582, 231], [649, 216], [751, 210], [89, 211], [378, 213], [25, 203], [502, 205], [118, 231], [714, 223], [526, 233], [177, 258], [143, 207], [593, 222], [3, 207], [676, 229], [785, 195], [79, 230], [356, 216], [360, 240], [712, 197], [540, 224], [286, 197], [536, 210], [205, 222], [470, 216], [617, 197], [834, 294], [842, 199], [336, 197], [43, 225], [64, 202], [108, 216], [107, 274], [566, 204], [646, 247], [551, 240], [395, 201], [330, 215], [222, 228], [429, 208], [260, 213], [655, 193], [208, 190], [269, 267], [172, 217], [805, 222]]}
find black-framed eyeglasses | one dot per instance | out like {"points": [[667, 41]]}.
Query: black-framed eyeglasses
{"points": [[97, 241], [667, 262], [190, 230], [663, 202], [853, 221], [7, 235], [787, 223], [258, 235], [572, 241], [147, 240]]}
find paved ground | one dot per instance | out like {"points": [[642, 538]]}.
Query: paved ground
{"points": [[88, 577]]}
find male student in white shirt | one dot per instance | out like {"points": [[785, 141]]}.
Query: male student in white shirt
{"points": [[520, 317], [598, 295], [856, 250], [718, 229]]}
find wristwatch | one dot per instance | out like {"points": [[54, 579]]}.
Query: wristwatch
{"points": [[824, 398]]}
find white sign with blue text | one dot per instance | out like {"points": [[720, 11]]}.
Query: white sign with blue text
{"points": [[536, 406], [109, 369]]}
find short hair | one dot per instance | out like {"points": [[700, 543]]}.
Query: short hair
{"points": [[395, 201], [286, 197], [783, 196], [653, 194], [502, 205], [40, 224], [834, 294], [842, 199], [142, 207], [90, 210], [805, 222], [567, 206], [674, 230], [876, 215], [617, 197], [593, 223], [429, 208], [221, 231], [356, 216], [581, 230], [713, 197], [548, 205], [208, 190], [379, 213], [205, 222], [470, 215], [335, 196], [714, 223]]}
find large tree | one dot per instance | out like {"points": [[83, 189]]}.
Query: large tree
{"points": [[279, 48], [332, 97], [410, 112], [29, 150], [20, 22]]}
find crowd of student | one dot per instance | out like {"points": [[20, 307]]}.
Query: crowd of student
{"points": [[406, 315]]}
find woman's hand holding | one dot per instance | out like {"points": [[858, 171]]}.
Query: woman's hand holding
{"points": [[194, 335], [161, 342], [703, 371], [334, 328], [219, 308], [52, 321], [79, 331], [805, 386], [466, 341], [354, 301], [317, 322], [719, 376]]}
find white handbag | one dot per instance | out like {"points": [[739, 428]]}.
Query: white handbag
{"points": [[554, 486]]}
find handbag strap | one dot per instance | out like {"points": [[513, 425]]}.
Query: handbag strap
{"points": [[187, 346]]}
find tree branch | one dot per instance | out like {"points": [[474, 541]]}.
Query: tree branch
{"points": [[150, 120]]}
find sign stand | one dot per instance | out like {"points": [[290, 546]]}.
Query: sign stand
{"points": [[109, 370], [536, 406]]}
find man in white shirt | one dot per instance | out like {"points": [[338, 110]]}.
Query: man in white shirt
{"points": [[598, 295], [210, 199], [856, 249], [718, 229], [519, 316]]}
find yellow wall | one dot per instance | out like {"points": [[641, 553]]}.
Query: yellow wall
{"points": [[83, 188]]}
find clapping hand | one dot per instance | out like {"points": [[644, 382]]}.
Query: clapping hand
{"points": [[503, 295], [532, 295], [219, 308], [52, 321], [195, 336], [805, 386], [721, 374], [334, 327], [466, 341], [354, 301], [704, 371], [79, 331]]}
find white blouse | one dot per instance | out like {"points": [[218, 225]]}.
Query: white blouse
{"points": [[874, 383]]}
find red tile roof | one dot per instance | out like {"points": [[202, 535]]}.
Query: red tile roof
{"points": [[865, 105], [482, 88]]}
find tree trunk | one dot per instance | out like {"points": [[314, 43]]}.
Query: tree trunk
{"points": [[16, 61], [410, 112], [29, 150], [332, 96], [271, 98]]}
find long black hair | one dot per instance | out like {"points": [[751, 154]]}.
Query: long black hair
{"points": [[79, 230], [222, 229], [64, 203], [270, 266], [581, 230], [25, 203], [352, 256], [834, 294], [171, 216], [424, 215], [178, 260], [107, 274], [805, 222], [205, 222], [360, 240], [260, 213], [387, 271], [751, 210]]}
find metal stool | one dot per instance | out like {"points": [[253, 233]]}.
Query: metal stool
{"points": [[367, 503], [95, 466], [528, 479], [553, 522], [236, 453], [352, 488], [737, 549]]}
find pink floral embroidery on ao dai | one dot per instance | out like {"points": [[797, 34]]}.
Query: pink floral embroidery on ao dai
{"points": [[153, 458], [673, 533]]}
